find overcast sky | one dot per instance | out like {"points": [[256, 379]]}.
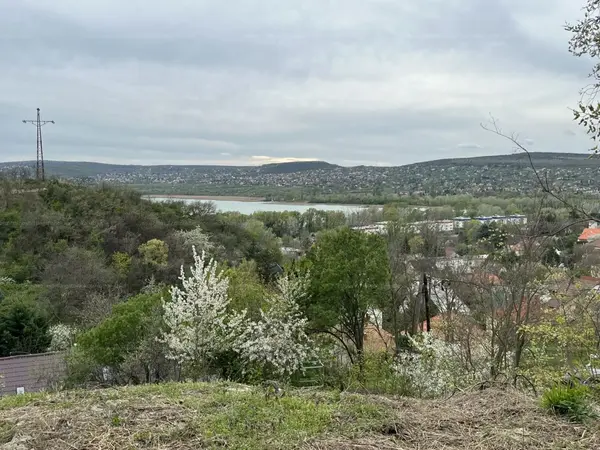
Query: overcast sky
{"points": [[248, 81]]}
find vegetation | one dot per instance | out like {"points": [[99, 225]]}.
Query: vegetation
{"points": [[572, 402], [226, 415], [319, 182], [485, 311]]}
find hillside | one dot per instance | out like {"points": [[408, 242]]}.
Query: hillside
{"points": [[539, 159], [300, 166], [191, 416], [320, 181], [83, 169]]}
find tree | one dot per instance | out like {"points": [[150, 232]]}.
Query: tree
{"points": [[277, 342], [265, 248], [401, 310], [585, 41], [73, 278], [196, 316], [121, 262], [154, 252], [349, 274], [23, 329], [195, 238], [118, 339], [246, 291]]}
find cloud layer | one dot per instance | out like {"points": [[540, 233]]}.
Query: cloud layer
{"points": [[252, 81]]}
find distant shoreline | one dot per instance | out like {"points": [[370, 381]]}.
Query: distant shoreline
{"points": [[228, 198], [234, 198]]}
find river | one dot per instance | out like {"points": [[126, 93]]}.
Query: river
{"points": [[249, 207]]}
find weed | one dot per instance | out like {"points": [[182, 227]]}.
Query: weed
{"points": [[571, 402], [116, 421]]}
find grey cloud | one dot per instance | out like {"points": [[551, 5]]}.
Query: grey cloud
{"points": [[342, 81]]}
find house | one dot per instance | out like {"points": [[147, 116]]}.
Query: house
{"points": [[376, 340], [589, 235], [459, 222], [446, 226], [31, 373], [514, 219]]}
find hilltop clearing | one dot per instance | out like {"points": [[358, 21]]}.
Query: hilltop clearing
{"points": [[191, 416]]}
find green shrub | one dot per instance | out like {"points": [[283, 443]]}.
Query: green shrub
{"points": [[571, 402], [378, 376], [23, 329]]}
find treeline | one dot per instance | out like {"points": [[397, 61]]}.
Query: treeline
{"points": [[454, 205], [117, 275], [75, 252]]}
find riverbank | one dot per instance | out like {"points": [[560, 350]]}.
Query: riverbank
{"points": [[233, 198], [227, 198]]}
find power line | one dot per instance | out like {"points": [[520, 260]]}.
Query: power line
{"points": [[40, 150]]}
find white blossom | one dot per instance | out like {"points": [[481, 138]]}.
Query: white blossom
{"points": [[195, 238], [278, 340], [7, 280], [63, 337], [196, 316], [439, 367]]}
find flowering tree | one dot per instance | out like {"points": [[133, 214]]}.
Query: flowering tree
{"points": [[278, 342], [196, 317], [195, 238], [437, 367], [63, 337]]}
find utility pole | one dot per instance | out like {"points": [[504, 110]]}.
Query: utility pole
{"points": [[40, 150], [426, 300]]}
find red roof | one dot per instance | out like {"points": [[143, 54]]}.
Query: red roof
{"points": [[589, 234], [585, 278]]}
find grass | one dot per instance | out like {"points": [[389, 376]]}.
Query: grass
{"points": [[223, 415], [571, 402]]}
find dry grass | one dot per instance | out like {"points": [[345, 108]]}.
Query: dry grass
{"points": [[197, 416]]}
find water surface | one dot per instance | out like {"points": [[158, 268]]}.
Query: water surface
{"points": [[249, 207]]}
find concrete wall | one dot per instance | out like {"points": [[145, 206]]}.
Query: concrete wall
{"points": [[31, 372]]}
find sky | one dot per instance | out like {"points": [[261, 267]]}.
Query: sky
{"points": [[378, 82]]}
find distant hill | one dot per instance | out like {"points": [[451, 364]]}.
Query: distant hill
{"points": [[297, 166], [77, 169], [83, 169], [319, 180], [539, 159]]}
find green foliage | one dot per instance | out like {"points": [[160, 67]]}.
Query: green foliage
{"points": [[378, 376], [154, 252], [111, 341], [75, 277], [348, 274], [246, 291], [23, 329], [558, 346], [570, 402], [584, 42], [122, 263]]}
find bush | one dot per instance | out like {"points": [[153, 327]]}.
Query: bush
{"points": [[23, 329], [571, 402], [125, 342], [379, 376], [436, 368]]}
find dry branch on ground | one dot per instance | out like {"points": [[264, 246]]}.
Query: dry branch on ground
{"points": [[192, 416]]}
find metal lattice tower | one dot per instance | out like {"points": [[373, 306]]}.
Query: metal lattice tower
{"points": [[40, 149]]}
